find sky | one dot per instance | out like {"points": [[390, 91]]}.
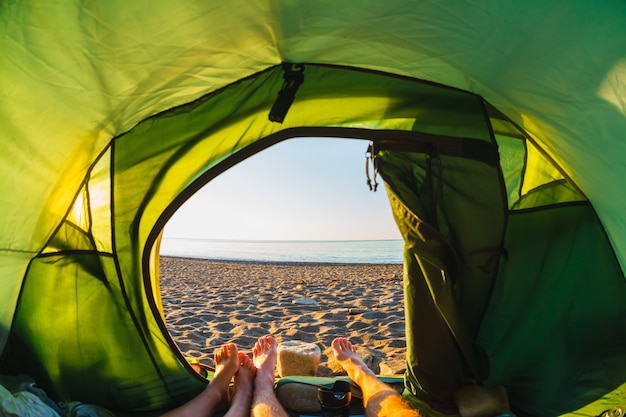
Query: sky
{"points": [[299, 189]]}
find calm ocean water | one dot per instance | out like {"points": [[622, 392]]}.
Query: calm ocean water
{"points": [[326, 251]]}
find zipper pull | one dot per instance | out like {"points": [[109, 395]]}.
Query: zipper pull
{"points": [[370, 155], [293, 75]]}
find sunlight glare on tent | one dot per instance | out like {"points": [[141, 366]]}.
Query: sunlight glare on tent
{"points": [[613, 88], [77, 214], [97, 198]]}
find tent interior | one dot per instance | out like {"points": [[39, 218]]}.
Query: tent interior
{"points": [[497, 127]]}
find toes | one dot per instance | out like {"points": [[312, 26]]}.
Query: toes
{"points": [[337, 341], [231, 349], [342, 344], [225, 352]]}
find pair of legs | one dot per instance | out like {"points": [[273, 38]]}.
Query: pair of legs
{"points": [[254, 384], [229, 363]]}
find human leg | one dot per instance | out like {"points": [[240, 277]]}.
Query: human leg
{"points": [[244, 386], [216, 392], [379, 399], [264, 401]]}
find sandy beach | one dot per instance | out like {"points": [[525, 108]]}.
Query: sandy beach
{"points": [[209, 303]]}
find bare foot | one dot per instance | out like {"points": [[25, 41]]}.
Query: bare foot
{"points": [[226, 366], [215, 395], [343, 349], [265, 355], [247, 370], [244, 378], [244, 387], [346, 355], [264, 401]]}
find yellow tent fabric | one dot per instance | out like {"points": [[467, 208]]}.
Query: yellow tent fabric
{"points": [[110, 111]]}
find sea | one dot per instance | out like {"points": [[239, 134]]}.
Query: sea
{"points": [[315, 251]]}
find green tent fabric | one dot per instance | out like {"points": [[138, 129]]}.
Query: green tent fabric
{"points": [[498, 127]]}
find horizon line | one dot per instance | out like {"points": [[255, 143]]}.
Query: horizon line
{"points": [[279, 240]]}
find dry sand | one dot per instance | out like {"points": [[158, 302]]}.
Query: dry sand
{"points": [[209, 303]]}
